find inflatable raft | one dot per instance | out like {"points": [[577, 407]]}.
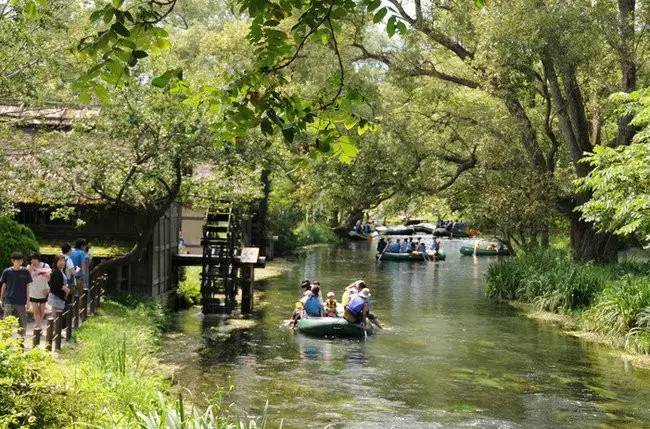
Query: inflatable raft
{"points": [[332, 327], [353, 235], [469, 251], [388, 256]]}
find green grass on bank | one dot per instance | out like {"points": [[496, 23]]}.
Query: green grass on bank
{"points": [[307, 233], [612, 300], [109, 377], [99, 249]]}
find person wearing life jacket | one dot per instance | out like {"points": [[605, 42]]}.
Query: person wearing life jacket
{"points": [[351, 290], [314, 304], [357, 309], [330, 305]]}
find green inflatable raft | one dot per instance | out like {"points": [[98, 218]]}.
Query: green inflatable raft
{"points": [[469, 251], [332, 327], [388, 256]]}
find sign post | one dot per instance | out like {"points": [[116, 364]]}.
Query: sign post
{"points": [[248, 259]]}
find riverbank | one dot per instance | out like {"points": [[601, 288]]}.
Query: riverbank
{"points": [[605, 304], [110, 375]]}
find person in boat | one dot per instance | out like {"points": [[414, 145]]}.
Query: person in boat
{"points": [[351, 290], [298, 312], [422, 249], [381, 245], [393, 247], [305, 287], [405, 247], [367, 228], [330, 305], [358, 309], [314, 304], [357, 227], [501, 247]]}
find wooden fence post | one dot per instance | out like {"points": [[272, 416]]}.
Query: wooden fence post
{"points": [[98, 297], [91, 299], [58, 324], [36, 337], [83, 307], [49, 334], [68, 323], [247, 282], [75, 312]]}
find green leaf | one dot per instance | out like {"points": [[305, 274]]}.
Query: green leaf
{"points": [[390, 26], [30, 9], [267, 127], [401, 27], [374, 4], [345, 148], [117, 3], [480, 4], [96, 15], [161, 81], [120, 29], [288, 134], [84, 97], [139, 54], [101, 93], [381, 13]]}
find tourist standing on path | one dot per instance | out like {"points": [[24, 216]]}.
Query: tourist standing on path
{"points": [[39, 289], [78, 256], [58, 285], [86, 267], [66, 250], [15, 282]]}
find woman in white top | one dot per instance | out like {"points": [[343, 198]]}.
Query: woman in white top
{"points": [[39, 289]]}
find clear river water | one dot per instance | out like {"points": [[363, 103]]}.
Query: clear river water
{"points": [[449, 358]]}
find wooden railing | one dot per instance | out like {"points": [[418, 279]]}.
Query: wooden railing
{"points": [[61, 324]]}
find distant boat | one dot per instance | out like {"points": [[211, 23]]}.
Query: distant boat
{"points": [[353, 235], [395, 230], [483, 251]]}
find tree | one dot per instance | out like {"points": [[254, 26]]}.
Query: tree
{"points": [[527, 56], [619, 180], [136, 156]]}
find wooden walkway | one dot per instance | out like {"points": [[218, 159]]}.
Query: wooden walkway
{"points": [[61, 325]]}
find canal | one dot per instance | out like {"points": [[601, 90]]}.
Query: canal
{"points": [[449, 357]]}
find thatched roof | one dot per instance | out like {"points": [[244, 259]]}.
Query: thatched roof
{"points": [[55, 116]]}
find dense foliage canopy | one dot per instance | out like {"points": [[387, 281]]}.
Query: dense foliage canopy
{"points": [[483, 110]]}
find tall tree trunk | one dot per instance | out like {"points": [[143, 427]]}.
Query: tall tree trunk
{"points": [[626, 22], [589, 245], [263, 212]]}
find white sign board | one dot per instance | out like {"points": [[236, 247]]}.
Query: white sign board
{"points": [[249, 255]]}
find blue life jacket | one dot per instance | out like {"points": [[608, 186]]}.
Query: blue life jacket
{"points": [[313, 306], [355, 306]]}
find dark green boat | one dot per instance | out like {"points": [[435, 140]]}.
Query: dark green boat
{"points": [[332, 327], [388, 256], [469, 251]]}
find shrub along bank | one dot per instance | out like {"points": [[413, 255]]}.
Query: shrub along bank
{"points": [[109, 378], [612, 300]]}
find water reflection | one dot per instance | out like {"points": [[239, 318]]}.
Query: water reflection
{"points": [[449, 358]]}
